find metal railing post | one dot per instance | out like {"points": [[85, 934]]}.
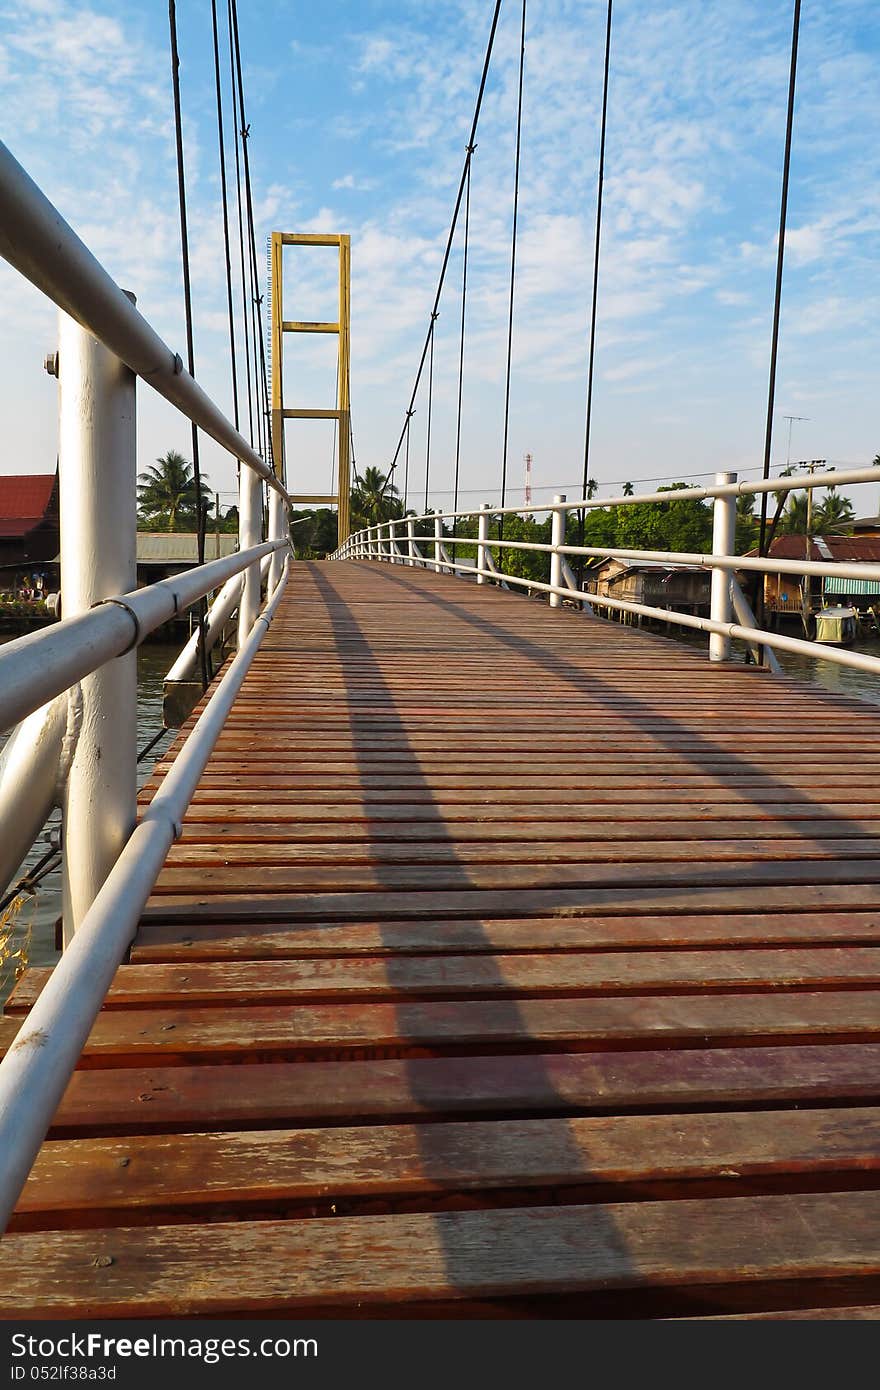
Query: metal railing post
{"points": [[557, 537], [411, 540], [250, 526], [277, 528], [438, 542], [97, 458], [723, 543], [482, 539]]}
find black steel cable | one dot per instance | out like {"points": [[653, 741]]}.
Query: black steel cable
{"points": [[30, 881], [595, 289], [244, 311], [262, 381], [223, 199], [409, 415], [449, 239], [758, 590], [519, 105], [148, 747], [780, 260], [187, 301], [464, 270], [430, 413]]}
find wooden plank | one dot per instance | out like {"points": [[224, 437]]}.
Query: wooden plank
{"points": [[717, 1250], [475, 903], [163, 1098], [450, 976], [206, 939], [444, 851], [130, 1037], [101, 1182]]}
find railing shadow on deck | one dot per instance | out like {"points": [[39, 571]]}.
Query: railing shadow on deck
{"points": [[532, 1067]]}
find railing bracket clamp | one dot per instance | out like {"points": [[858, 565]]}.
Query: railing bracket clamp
{"points": [[121, 603]]}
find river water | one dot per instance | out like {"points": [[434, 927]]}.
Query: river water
{"points": [[40, 913], [154, 659]]}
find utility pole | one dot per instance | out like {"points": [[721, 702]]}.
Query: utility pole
{"points": [[808, 466]]}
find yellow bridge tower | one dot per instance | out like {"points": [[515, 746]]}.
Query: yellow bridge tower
{"points": [[342, 411]]}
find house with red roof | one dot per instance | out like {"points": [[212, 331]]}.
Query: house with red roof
{"points": [[784, 593], [29, 529]]}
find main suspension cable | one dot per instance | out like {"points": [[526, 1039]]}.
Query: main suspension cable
{"points": [[519, 106], [187, 302]]}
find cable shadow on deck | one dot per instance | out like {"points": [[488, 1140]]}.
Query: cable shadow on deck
{"points": [[667, 730]]}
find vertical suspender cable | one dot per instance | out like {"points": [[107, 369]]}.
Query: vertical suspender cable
{"points": [[519, 104], [464, 270], [430, 411], [187, 300], [409, 415], [449, 239], [595, 289], [777, 300], [262, 381], [221, 147], [244, 312]]}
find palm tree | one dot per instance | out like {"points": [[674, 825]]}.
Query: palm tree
{"points": [[628, 489], [167, 493], [835, 513], [374, 498], [592, 488], [746, 523], [794, 518]]}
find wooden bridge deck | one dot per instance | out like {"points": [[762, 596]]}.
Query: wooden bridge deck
{"points": [[512, 963]]}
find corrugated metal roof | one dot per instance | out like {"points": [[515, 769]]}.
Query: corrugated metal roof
{"points": [[181, 547], [839, 548], [836, 584]]}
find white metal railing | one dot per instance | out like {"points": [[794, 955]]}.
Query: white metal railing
{"points": [[396, 542], [74, 684]]}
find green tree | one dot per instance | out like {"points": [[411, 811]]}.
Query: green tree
{"points": [[747, 524], [683, 523], [167, 494], [835, 513], [374, 499]]}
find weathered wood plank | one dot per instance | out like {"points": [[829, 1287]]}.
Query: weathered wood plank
{"points": [[161, 1098], [130, 1037], [709, 1248], [100, 1182], [458, 976]]}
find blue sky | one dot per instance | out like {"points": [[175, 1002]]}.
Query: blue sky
{"points": [[359, 114]]}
